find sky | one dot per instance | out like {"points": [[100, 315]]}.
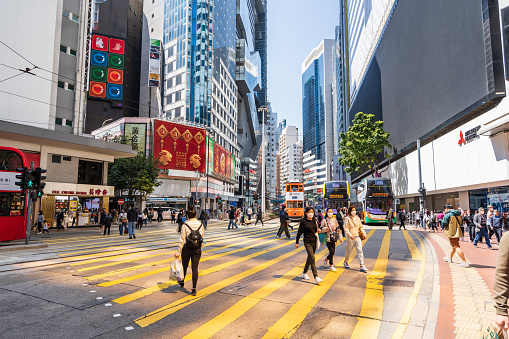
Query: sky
{"points": [[295, 28]]}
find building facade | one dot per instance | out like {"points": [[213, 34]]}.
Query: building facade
{"points": [[314, 177], [317, 103], [290, 157]]}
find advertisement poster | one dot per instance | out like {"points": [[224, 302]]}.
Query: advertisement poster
{"points": [[106, 68], [154, 63], [210, 155], [179, 147], [136, 135], [233, 167]]}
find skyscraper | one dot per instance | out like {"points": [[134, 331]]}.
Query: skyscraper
{"points": [[317, 108]]}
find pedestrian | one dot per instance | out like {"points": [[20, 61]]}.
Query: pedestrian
{"points": [[179, 221], [501, 285], [45, 227], [452, 225], [108, 220], [259, 216], [204, 218], [340, 217], [354, 231], [60, 220], [231, 217], [319, 217], [284, 220], [402, 218], [390, 219], [40, 221], [249, 213], [114, 215], [145, 216], [122, 222], [132, 217], [150, 214], [189, 249], [481, 228], [497, 224], [440, 217], [101, 219], [308, 228], [470, 226], [160, 215], [330, 226], [418, 219], [434, 221]]}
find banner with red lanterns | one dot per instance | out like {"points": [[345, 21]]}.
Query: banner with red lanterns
{"points": [[179, 147]]}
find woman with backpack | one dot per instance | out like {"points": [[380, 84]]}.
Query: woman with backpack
{"points": [[330, 226], [189, 249]]}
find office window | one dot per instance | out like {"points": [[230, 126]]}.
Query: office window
{"points": [[66, 14], [61, 84], [177, 96], [74, 18], [68, 123], [66, 158], [169, 83], [178, 79], [177, 112], [56, 158], [70, 87], [58, 121], [72, 52], [169, 98], [90, 172], [63, 48]]}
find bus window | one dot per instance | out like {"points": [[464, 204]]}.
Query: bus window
{"points": [[12, 204], [10, 160], [300, 204], [301, 189], [295, 188], [288, 188]]}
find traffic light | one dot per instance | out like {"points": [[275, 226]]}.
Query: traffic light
{"points": [[22, 177], [39, 184]]}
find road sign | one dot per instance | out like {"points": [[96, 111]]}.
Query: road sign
{"points": [[120, 201]]}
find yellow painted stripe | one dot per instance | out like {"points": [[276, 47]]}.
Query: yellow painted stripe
{"points": [[416, 255], [136, 267], [213, 326], [286, 326], [412, 301], [166, 253], [369, 320], [167, 310]]}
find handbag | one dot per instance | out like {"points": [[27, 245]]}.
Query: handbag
{"points": [[177, 271], [333, 234], [361, 234]]}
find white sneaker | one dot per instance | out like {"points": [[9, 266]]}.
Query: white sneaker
{"points": [[318, 280], [39, 233], [464, 264], [325, 263], [305, 276], [447, 259], [333, 269]]}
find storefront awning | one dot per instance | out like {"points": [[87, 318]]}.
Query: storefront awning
{"points": [[498, 125]]}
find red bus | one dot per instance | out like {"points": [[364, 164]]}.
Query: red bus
{"points": [[13, 210]]}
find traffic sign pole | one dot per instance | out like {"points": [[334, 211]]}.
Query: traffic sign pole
{"points": [[28, 197]]}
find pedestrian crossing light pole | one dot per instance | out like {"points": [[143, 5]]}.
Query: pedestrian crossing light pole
{"points": [[422, 189]]}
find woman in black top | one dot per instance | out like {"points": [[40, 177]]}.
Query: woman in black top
{"points": [[308, 227]]}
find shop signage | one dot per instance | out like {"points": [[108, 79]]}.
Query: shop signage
{"points": [[318, 190], [136, 135], [73, 205], [90, 192], [469, 136], [154, 63], [179, 147]]}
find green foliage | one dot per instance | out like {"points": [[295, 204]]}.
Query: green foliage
{"points": [[134, 175], [360, 145]]}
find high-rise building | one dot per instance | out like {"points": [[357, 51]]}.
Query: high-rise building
{"points": [[260, 13], [115, 60], [317, 107], [290, 157], [270, 154]]}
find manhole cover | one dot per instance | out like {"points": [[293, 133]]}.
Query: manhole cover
{"points": [[398, 283]]}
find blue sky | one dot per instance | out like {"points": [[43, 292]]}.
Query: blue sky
{"points": [[295, 27]]}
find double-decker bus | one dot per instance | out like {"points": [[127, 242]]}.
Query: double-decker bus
{"points": [[294, 199], [336, 195], [375, 195], [12, 198]]}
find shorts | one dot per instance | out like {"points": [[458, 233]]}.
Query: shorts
{"points": [[455, 242]]}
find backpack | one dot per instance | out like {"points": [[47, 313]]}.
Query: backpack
{"points": [[434, 218], [194, 239]]}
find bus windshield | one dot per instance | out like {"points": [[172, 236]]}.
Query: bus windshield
{"points": [[9, 160], [380, 188], [294, 188]]}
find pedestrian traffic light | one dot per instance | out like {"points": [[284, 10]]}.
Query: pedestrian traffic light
{"points": [[39, 184], [422, 192], [22, 177]]}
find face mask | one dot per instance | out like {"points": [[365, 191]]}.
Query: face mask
{"points": [[310, 215], [330, 215], [354, 212]]}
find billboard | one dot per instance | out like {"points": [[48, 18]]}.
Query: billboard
{"points": [[221, 162], [106, 68], [136, 135], [154, 63], [179, 147]]}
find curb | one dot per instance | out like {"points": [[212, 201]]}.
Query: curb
{"points": [[20, 247]]}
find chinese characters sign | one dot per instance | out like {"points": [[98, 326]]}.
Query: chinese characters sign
{"points": [[106, 68], [135, 134], [179, 147], [154, 63]]}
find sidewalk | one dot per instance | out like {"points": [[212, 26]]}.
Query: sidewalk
{"points": [[466, 295]]}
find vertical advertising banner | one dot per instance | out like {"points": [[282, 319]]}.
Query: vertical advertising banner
{"points": [[179, 147], [136, 135], [154, 63], [210, 155], [233, 167], [106, 68]]}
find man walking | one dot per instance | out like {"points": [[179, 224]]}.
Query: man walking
{"points": [[108, 220], [259, 216], [469, 223], [231, 216], [204, 218], [497, 224], [481, 228], [452, 225], [390, 219], [284, 220], [132, 218], [402, 218]]}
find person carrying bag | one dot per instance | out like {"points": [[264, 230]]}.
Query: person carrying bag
{"points": [[354, 235], [191, 240], [330, 228]]}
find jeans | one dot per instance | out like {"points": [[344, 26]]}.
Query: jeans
{"points": [[205, 223], [283, 228], [232, 222], [310, 261], [483, 231], [131, 228], [350, 244], [122, 227], [498, 233]]}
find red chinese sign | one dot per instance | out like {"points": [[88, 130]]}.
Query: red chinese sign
{"points": [[179, 147], [222, 161]]}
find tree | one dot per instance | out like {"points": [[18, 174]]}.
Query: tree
{"points": [[134, 175], [360, 146]]}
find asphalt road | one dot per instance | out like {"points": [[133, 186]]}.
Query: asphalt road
{"points": [[85, 285]]}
